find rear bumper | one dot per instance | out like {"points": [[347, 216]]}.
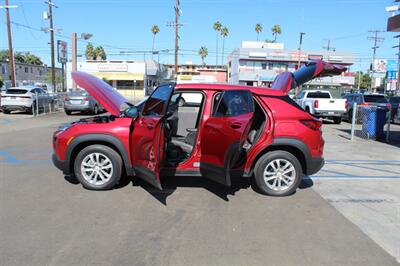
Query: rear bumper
{"points": [[329, 113], [16, 107], [314, 164], [61, 165]]}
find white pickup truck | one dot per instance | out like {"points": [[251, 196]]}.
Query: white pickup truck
{"points": [[321, 104]]}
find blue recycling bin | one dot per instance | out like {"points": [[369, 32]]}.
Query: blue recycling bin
{"points": [[373, 121]]}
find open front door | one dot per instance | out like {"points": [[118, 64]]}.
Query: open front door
{"points": [[147, 138], [224, 134]]}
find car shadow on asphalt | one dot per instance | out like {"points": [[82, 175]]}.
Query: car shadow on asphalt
{"points": [[171, 184], [394, 136]]}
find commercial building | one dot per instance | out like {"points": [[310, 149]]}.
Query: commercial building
{"points": [[133, 79], [258, 63], [26, 74], [192, 73]]}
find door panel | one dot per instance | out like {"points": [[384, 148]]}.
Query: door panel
{"points": [[224, 133], [147, 137]]}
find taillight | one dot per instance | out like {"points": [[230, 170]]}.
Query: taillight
{"points": [[67, 99], [316, 104], [86, 99], [363, 104], [313, 124], [389, 106], [346, 104]]}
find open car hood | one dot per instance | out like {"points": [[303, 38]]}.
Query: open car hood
{"points": [[314, 69], [104, 94]]}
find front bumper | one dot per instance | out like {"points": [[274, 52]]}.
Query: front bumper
{"points": [[62, 165], [16, 107], [314, 165]]}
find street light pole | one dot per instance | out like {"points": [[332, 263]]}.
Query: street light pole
{"points": [[10, 47], [53, 70], [84, 36]]}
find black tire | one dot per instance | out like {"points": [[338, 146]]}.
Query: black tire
{"points": [[6, 111], [68, 112], [337, 120], [264, 161], [307, 109], [111, 154], [350, 116]]}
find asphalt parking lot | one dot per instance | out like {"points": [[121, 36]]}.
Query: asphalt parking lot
{"points": [[347, 214]]}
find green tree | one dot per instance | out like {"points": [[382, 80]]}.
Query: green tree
{"points": [[203, 53], [100, 53], [276, 30], [1, 82], [258, 29], [224, 34], [89, 52], [363, 79], [32, 59], [25, 58], [58, 77], [155, 30], [217, 26]]}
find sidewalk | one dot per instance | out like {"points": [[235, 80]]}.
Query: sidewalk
{"points": [[361, 179]]}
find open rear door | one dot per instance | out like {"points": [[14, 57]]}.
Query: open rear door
{"points": [[224, 133], [287, 81], [147, 138]]}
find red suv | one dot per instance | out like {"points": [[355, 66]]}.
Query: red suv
{"points": [[210, 130]]}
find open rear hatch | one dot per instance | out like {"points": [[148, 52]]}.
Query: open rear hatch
{"points": [[106, 95], [287, 81]]}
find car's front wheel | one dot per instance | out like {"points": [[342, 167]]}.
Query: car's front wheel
{"points": [[98, 167], [337, 120], [278, 173]]}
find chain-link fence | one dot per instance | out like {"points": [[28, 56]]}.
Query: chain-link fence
{"points": [[47, 104], [370, 122]]}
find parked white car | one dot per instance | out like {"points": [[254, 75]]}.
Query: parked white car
{"points": [[321, 104], [23, 98]]}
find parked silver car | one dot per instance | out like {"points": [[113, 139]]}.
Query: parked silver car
{"points": [[80, 101], [25, 99]]}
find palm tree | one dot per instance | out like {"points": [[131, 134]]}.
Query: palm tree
{"points": [[276, 29], [224, 33], [217, 27], [203, 52], [258, 29], [154, 29]]}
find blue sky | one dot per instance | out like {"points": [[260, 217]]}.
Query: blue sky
{"points": [[123, 25]]}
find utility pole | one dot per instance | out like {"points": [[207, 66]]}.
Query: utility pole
{"points": [[10, 47], [398, 64], [376, 39], [74, 57], [298, 64], [176, 25], [328, 46], [53, 70]]}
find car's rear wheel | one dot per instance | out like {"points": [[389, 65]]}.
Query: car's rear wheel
{"points": [[278, 173], [68, 112], [98, 167], [337, 120], [6, 111]]}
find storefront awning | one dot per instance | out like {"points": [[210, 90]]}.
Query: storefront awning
{"points": [[120, 76]]}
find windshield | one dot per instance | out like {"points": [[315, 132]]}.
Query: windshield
{"points": [[319, 94], [375, 99]]}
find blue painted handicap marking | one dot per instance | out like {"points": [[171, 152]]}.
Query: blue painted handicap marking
{"points": [[6, 158]]}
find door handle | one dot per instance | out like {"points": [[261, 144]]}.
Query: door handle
{"points": [[236, 125]]}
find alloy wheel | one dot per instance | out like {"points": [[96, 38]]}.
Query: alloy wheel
{"points": [[279, 174], [96, 168]]}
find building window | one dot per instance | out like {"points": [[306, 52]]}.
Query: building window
{"points": [[3, 69], [26, 70], [263, 65]]}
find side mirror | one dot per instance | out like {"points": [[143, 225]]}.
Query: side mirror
{"points": [[132, 112]]}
